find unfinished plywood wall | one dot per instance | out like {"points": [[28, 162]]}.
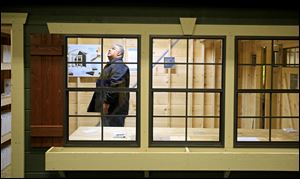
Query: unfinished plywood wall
{"points": [[286, 104], [180, 75], [255, 75]]}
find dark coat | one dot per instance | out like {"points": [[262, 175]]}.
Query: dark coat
{"points": [[114, 75]]}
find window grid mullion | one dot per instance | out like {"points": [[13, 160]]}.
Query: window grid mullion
{"points": [[269, 91], [186, 88]]}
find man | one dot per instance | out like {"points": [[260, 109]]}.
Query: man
{"points": [[114, 75]]}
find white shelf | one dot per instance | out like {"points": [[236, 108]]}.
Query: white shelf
{"points": [[5, 100], [5, 137], [5, 66]]}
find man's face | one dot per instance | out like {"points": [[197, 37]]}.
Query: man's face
{"points": [[112, 53]]}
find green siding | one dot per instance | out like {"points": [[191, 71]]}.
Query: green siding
{"points": [[27, 99], [27, 122]]}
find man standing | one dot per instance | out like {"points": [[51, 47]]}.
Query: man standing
{"points": [[108, 101]]}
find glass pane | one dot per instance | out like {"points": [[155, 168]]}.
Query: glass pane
{"points": [[169, 104], [253, 104], [133, 72], [169, 129], [254, 52], [118, 102], [285, 129], [176, 48], [253, 129], [286, 52], [89, 128], [79, 102], [82, 50], [120, 133], [254, 77], [84, 128], [203, 104], [129, 45], [84, 56], [291, 55], [285, 104], [82, 102], [203, 129], [205, 76], [132, 103], [81, 82], [205, 51], [84, 70], [133, 75], [285, 77], [165, 77]]}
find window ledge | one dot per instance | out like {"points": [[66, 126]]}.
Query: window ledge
{"points": [[89, 159]]}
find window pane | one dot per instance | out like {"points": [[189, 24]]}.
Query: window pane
{"points": [[169, 104], [81, 82], [132, 73], [84, 128], [203, 129], [285, 129], [286, 52], [205, 51], [84, 70], [285, 104], [130, 48], [176, 48], [254, 52], [169, 129], [84, 57], [79, 102], [165, 77], [205, 76], [121, 133], [82, 50], [203, 104], [253, 104], [254, 77], [286, 77], [253, 129], [121, 102]]}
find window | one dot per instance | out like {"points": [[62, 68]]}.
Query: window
{"points": [[102, 92], [186, 91], [267, 92]]}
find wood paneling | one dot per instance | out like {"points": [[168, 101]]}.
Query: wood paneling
{"points": [[46, 78]]}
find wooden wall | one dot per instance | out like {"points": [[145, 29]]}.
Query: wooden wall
{"points": [[199, 76], [259, 77]]}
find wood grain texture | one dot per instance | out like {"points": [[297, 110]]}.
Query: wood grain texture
{"points": [[46, 78]]}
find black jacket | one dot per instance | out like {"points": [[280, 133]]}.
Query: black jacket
{"points": [[114, 75]]}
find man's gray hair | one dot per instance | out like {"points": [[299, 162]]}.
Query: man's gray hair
{"points": [[120, 49]]}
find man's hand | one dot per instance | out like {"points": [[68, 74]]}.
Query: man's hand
{"points": [[105, 108]]}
